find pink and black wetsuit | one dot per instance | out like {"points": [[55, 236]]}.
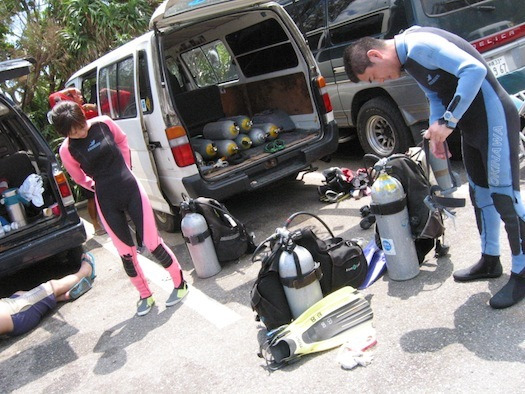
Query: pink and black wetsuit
{"points": [[101, 162]]}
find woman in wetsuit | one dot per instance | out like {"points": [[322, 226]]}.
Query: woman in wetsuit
{"points": [[96, 155]]}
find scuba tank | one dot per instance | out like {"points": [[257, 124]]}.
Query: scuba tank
{"points": [[300, 277], [15, 209], [226, 148], [204, 146], [390, 208], [272, 131], [221, 130], [198, 240], [441, 170], [243, 141], [258, 136], [245, 123]]}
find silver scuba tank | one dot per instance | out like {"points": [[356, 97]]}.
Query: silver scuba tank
{"points": [[16, 211], [258, 136], [204, 146], [198, 240], [226, 148], [300, 278], [390, 208], [272, 131], [244, 122], [243, 141], [442, 174], [221, 130]]}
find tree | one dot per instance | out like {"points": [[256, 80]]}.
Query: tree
{"points": [[62, 36]]}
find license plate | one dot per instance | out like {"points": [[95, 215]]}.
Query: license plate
{"points": [[498, 66]]}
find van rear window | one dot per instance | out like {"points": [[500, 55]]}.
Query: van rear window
{"points": [[262, 48], [260, 35]]}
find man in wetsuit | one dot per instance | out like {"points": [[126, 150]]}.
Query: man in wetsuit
{"points": [[463, 93]]}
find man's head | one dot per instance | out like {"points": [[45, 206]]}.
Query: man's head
{"points": [[371, 60]]}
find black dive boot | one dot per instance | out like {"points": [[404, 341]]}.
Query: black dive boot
{"points": [[487, 267], [510, 294]]}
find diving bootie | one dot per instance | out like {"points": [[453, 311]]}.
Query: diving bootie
{"points": [[487, 267], [510, 294], [328, 323]]}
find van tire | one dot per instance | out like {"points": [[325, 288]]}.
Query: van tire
{"points": [[167, 222], [381, 128]]}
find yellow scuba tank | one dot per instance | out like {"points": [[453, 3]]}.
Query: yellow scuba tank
{"points": [[226, 148], [221, 130], [258, 136], [243, 141], [205, 147], [244, 122], [272, 131]]}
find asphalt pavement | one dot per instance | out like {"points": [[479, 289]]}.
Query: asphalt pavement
{"points": [[433, 335]]}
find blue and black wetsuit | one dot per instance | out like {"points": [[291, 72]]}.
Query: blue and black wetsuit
{"points": [[457, 81]]}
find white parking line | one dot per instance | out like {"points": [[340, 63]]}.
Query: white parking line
{"points": [[216, 313]]}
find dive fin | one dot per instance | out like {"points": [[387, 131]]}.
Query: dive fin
{"points": [[325, 325]]}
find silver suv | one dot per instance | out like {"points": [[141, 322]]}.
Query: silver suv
{"points": [[387, 117], [390, 116]]}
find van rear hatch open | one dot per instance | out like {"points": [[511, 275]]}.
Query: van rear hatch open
{"points": [[243, 59]]}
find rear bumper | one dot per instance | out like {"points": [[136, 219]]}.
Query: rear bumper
{"points": [[41, 248], [514, 81], [260, 175]]}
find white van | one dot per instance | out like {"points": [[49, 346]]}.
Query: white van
{"points": [[200, 63]]}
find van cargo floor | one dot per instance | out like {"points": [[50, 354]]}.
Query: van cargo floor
{"points": [[257, 153]]}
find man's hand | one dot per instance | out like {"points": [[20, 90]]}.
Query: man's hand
{"points": [[437, 134]]}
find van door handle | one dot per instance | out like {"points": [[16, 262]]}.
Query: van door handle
{"points": [[154, 145], [338, 70]]}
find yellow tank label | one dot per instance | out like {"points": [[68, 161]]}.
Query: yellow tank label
{"points": [[232, 148], [385, 182], [210, 149], [245, 124]]}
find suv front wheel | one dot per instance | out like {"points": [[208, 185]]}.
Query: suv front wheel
{"points": [[381, 128]]}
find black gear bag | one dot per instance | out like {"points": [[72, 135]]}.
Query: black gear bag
{"points": [[342, 264], [230, 237]]}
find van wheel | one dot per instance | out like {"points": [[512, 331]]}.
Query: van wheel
{"points": [[381, 128], [167, 222]]}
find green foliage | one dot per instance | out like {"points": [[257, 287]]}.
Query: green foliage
{"points": [[62, 36]]}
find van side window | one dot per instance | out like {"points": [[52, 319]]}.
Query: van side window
{"points": [[146, 98], [89, 88], [210, 64], [117, 90], [342, 10], [370, 26]]}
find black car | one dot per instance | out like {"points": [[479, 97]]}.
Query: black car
{"points": [[32, 230]]}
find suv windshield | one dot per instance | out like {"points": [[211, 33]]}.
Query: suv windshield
{"points": [[470, 19]]}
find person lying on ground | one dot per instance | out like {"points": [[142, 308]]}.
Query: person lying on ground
{"points": [[22, 311]]}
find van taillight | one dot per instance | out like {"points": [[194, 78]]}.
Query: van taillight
{"points": [[180, 146], [321, 83], [63, 185]]}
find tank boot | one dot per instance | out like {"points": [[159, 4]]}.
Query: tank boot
{"points": [[487, 267], [510, 294]]}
